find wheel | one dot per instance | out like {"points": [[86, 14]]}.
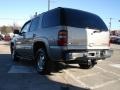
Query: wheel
{"points": [[87, 64], [42, 61], [14, 54]]}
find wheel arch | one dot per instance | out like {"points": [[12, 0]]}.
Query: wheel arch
{"points": [[40, 44]]}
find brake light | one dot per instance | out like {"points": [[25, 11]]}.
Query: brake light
{"points": [[62, 38]]}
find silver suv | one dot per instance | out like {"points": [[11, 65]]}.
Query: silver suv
{"points": [[62, 34]]}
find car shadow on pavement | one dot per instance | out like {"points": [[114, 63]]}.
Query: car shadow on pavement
{"points": [[59, 66], [28, 81], [55, 67], [5, 63]]}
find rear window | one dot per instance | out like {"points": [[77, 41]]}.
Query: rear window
{"points": [[83, 19], [74, 18]]}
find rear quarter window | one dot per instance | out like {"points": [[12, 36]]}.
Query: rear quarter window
{"points": [[51, 18]]}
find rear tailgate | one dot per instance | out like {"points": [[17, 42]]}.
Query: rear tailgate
{"points": [[77, 38], [81, 39], [97, 39]]}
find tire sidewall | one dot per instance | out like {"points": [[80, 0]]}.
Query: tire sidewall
{"points": [[40, 52]]}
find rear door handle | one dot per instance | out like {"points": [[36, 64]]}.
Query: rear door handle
{"points": [[96, 32]]}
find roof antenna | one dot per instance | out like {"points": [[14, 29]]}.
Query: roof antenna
{"points": [[35, 14]]}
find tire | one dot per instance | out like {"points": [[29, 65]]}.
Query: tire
{"points": [[87, 64], [14, 54], [42, 62]]}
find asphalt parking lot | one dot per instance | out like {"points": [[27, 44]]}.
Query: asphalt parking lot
{"points": [[23, 76]]}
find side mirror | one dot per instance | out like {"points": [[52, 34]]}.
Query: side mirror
{"points": [[16, 31]]}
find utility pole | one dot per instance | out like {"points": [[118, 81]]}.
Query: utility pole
{"points": [[48, 5], [110, 23]]}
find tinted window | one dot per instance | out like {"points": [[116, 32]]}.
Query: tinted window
{"points": [[51, 18], [25, 28], [35, 24], [74, 18], [83, 19]]}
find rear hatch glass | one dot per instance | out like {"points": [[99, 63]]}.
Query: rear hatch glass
{"points": [[81, 19]]}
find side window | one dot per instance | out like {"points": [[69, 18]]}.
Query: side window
{"points": [[51, 18], [25, 28], [34, 24]]}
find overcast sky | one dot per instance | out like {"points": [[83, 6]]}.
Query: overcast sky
{"points": [[19, 11]]}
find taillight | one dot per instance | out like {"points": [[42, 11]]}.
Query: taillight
{"points": [[62, 38]]}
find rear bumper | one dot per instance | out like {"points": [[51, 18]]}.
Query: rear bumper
{"points": [[92, 54]]}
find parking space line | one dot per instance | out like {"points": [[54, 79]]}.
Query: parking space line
{"points": [[104, 84], [107, 83], [115, 65], [88, 75], [101, 69], [107, 71], [77, 79], [74, 78]]}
